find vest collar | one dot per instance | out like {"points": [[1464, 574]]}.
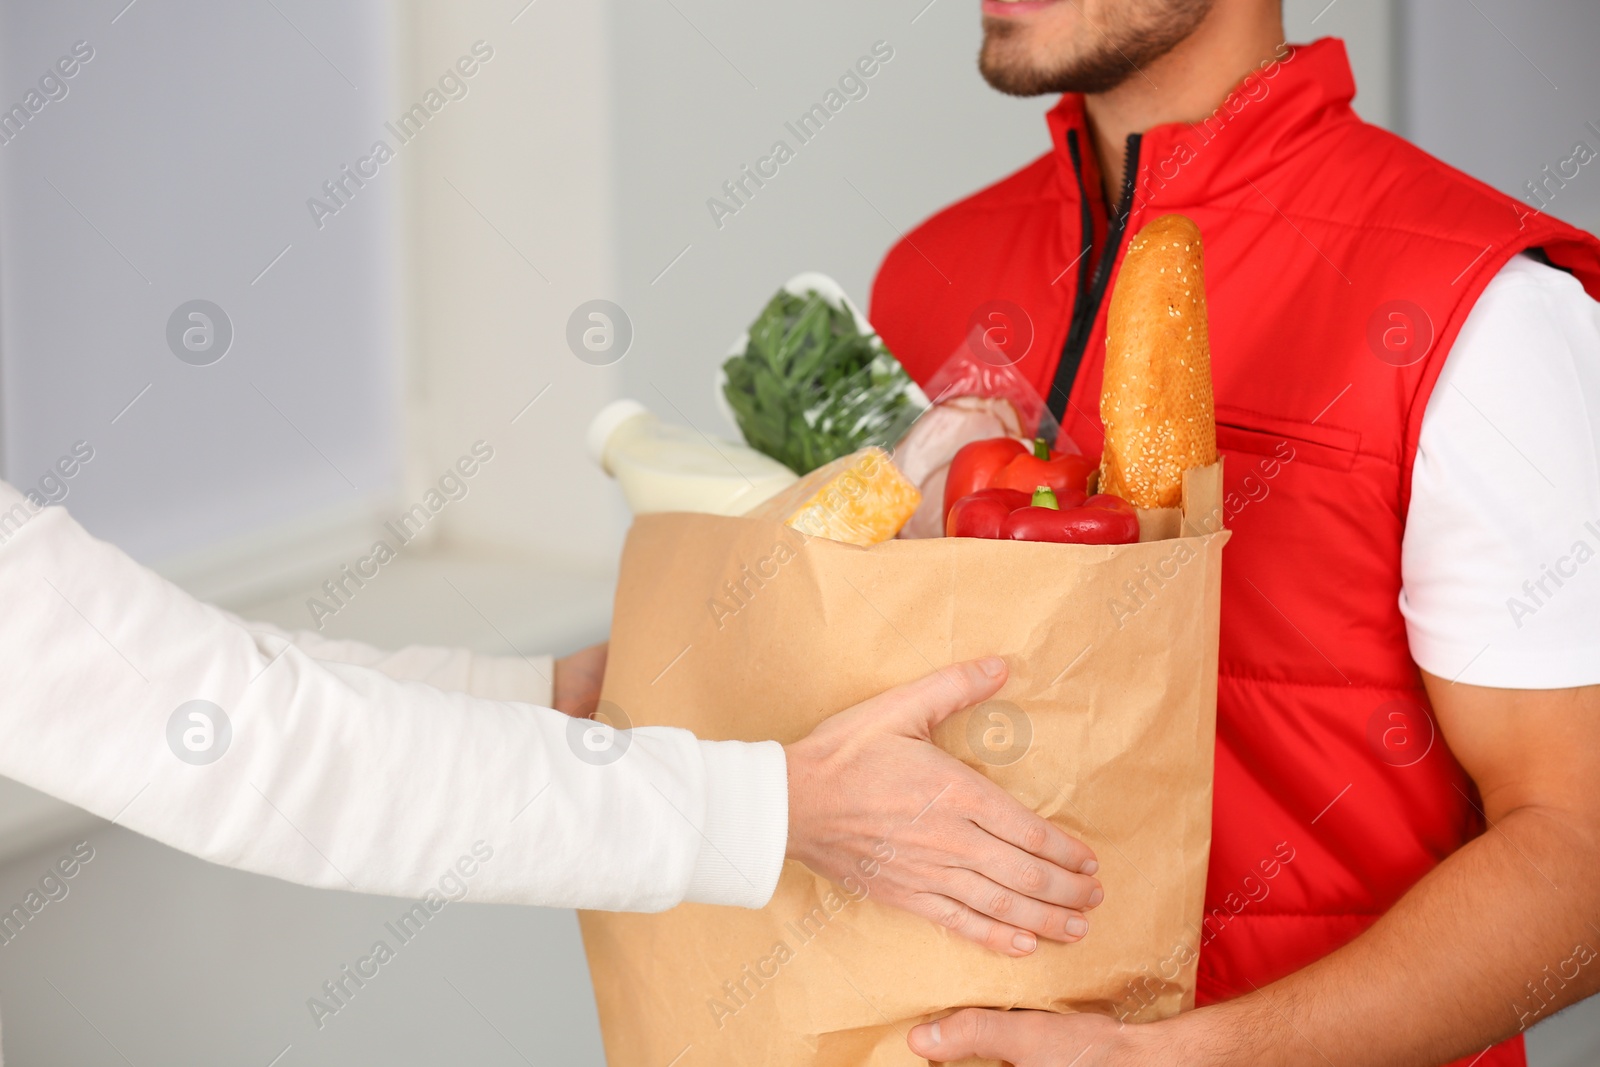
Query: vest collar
{"points": [[1266, 119]]}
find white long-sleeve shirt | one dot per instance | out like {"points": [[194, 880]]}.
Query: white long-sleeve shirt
{"points": [[351, 768]]}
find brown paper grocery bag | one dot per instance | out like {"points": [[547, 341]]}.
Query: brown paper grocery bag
{"points": [[741, 629]]}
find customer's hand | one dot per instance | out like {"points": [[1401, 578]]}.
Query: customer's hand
{"points": [[576, 685], [872, 800]]}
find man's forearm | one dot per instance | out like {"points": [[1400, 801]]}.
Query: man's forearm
{"points": [[1500, 935]]}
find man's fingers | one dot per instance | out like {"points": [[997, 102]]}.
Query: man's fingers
{"points": [[993, 1035], [1016, 909], [1002, 816], [915, 708], [963, 921]]}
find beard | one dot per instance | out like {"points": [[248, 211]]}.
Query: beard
{"points": [[1097, 58]]}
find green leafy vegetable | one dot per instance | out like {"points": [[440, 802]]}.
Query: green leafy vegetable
{"points": [[811, 387]]}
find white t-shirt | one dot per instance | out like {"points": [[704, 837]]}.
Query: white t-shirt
{"points": [[1501, 557]]}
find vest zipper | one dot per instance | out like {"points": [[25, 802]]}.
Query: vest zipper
{"points": [[1091, 294]]}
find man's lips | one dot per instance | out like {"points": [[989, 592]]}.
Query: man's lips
{"points": [[1013, 8]]}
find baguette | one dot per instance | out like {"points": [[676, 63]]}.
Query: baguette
{"points": [[1156, 398]]}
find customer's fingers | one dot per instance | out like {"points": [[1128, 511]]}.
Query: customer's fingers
{"points": [[914, 709], [1024, 873], [1000, 814], [1004, 905], [965, 922]]}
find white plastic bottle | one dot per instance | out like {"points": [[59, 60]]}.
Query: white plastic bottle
{"points": [[662, 467]]}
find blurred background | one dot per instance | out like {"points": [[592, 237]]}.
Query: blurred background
{"points": [[368, 320]]}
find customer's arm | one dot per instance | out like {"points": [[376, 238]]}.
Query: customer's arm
{"points": [[570, 684], [338, 775], [525, 679]]}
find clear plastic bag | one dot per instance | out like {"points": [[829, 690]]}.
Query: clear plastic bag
{"points": [[984, 365], [977, 394], [807, 388]]}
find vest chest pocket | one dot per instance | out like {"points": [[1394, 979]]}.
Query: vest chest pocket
{"points": [[1287, 440]]}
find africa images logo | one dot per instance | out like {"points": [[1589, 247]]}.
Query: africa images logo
{"points": [[199, 332], [199, 732]]}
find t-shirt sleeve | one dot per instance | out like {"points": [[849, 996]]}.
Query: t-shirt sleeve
{"points": [[1501, 556]]}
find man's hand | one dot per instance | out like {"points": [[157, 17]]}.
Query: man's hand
{"points": [[965, 854], [1032, 1039], [576, 685]]}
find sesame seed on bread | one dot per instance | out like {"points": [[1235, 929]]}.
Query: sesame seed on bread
{"points": [[1156, 400]]}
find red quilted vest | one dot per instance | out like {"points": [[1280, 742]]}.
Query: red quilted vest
{"points": [[1341, 262]]}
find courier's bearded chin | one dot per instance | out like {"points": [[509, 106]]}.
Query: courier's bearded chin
{"points": [[1068, 51]]}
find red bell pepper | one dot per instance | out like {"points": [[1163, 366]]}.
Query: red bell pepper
{"points": [[975, 466], [1061, 471], [1006, 463], [1008, 514], [1102, 519], [981, 514]]}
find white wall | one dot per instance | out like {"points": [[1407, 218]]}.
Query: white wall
{"points": [[928, 132], [191, 143], [157, 958], [511, 197], [178, 166], [1503, 89], [1368, 28]]}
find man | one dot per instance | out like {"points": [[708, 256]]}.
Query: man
{"points": [[1408, 396]]}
